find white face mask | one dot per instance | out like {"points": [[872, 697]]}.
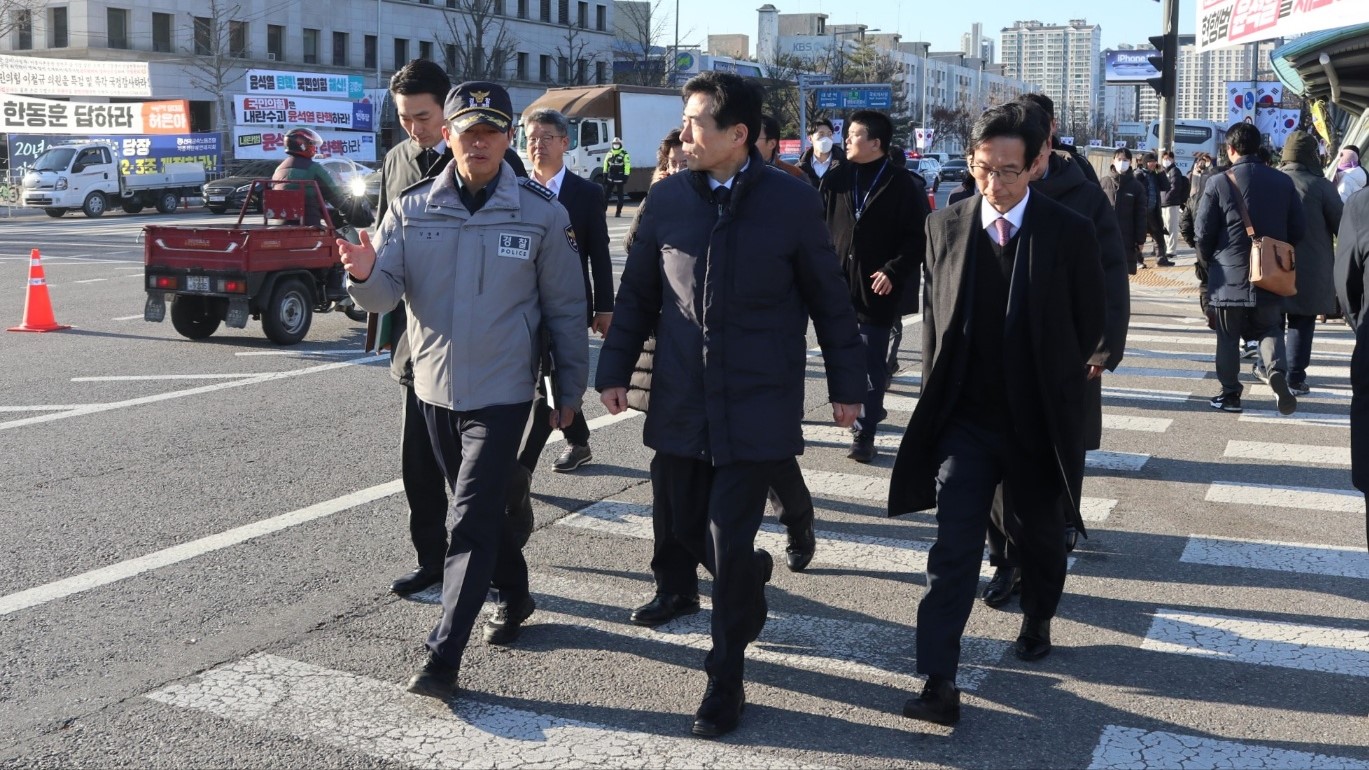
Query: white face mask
{"points": [[617, 146], [1167, 163], [1122, 166], [823, 145]]}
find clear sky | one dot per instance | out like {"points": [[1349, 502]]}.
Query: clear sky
{"points": [[939, 22]]}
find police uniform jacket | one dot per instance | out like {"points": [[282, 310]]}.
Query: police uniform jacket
{"points": [[478, 287]]}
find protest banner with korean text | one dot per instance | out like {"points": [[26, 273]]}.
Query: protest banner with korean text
{"points": [[348, 87], [136, 154], [251, 143], [73, 77], [255, 110], [27, 115]]}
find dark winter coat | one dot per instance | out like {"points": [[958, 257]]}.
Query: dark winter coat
{"points": [[837, 158], [1352, 279], [1066, 184], [1056, 300], [1177, 194], [1321, 207], [1223, 246], [729, 291], [1084, 166], [1197, 181], [889, 236], [1128, 199]]}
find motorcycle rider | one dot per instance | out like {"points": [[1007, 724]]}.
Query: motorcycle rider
{"points": [[301, 145]]}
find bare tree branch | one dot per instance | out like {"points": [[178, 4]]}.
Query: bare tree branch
{"points": [[484, 46], [638, 30], [16, 14], [571, 55], [214, 66]]}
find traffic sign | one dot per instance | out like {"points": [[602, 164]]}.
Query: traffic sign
{"points": [[855, 98]]}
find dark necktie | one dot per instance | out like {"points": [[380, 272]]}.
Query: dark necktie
{"points": [[721, 195], [426, 161]]}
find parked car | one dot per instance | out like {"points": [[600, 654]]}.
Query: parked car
{"points": [[929, 168], [228, 193], [955, 170]]}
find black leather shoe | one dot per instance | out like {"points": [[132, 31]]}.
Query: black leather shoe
{"points": [[503, 626], [802, 544], [938, 703], [436, 679], [1006, 581], [721, 710], [664, 607], [863, 448], [417, 580], [1034, 640]]}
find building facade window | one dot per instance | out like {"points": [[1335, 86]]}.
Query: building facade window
{"points": [[340, 49], [601, 18], [450, 56], [546, 10], [562, 69], [204, 36], [117, 21], [310, 42], [563, 12], [275, 42], [425, 49], [582, 18], [521, 73], [600, 73], [401, 52], [237, 39], [522, 9], [371, 52], [544, 70], [23, 29], [57, 28], [163, 26]]}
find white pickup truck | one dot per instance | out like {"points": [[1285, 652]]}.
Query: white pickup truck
{"points": [[87, 175]]}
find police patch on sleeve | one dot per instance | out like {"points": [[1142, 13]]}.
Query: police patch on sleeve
{"points": [[570, 238]]}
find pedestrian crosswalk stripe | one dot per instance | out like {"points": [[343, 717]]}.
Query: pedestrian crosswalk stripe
{"points": [[1342, 500], [1210, 339], [1340, 369], [1115, 461], [378, 719], [1146, 394], [1096, 508], [1300, 454], [1326, 649], [1129, 747], [1320, 393], [1142, 424], [1299, 558], [1300, 418], [852, 486], [897, 403], [1160, 372]]}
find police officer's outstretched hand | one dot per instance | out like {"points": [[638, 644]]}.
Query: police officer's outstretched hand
{"points": [[358, 259]]}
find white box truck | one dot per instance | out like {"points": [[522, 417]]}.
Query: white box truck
{"points": [[87, 176], [638, 115]]}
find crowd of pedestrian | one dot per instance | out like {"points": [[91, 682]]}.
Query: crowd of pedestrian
{"points": [[498, 277]]}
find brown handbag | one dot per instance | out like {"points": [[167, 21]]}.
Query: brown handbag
{"points": [[1273, 266]]}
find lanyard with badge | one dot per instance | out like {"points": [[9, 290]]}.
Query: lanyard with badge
{"points": [[857, 199]]}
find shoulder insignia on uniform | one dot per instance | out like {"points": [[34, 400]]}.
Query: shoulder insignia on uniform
{"points": [[532, 184], [418, 184], [570, 238]]}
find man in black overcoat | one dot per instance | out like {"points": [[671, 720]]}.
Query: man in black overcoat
{"points": [[1352, 277], [1013, 309]]}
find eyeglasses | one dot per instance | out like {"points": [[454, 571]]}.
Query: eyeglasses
{"points": [[545, 140], [984, 172]]}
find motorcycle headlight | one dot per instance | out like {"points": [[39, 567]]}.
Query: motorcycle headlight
{"points": [[358, 185], [60, 184]]}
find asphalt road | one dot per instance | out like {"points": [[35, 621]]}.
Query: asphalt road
{"points": [[198, 538]]}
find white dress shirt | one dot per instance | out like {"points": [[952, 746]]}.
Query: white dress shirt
{"points": [[988, 215]]}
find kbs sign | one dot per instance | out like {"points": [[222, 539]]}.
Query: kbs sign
{"points": [[1224, 23], [299, 111], [26, 115]]}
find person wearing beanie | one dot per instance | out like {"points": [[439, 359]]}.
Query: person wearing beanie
{"points": [[1321, 206]]}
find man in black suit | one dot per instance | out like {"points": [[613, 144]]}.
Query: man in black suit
{"points": [[547, 133], [1013, 309], [419, 89]]}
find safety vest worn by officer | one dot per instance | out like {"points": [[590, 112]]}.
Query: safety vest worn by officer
{"points": [[617, 165]]}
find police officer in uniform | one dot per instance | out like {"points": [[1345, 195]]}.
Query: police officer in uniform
{"points": [[483, 260]]}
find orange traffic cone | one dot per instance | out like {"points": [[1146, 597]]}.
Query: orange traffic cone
{"points": [[37, 306]]}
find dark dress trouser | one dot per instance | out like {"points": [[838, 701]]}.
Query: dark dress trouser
{"points": [[476, 451], [539, 432], [673, 566], [973, 461], [715, 512], [425, 488]]}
